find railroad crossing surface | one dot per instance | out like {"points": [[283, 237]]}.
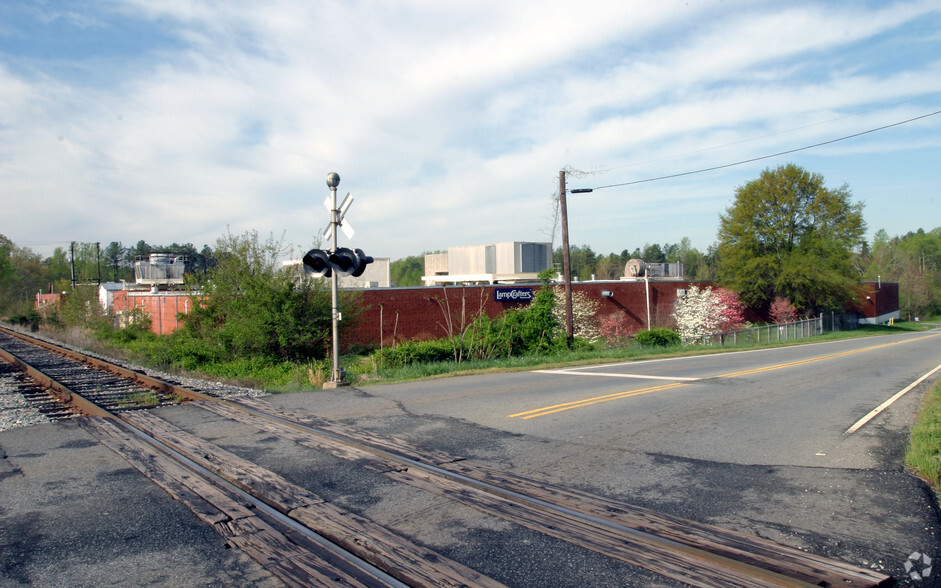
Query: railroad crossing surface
{"points": [[855, 504]]}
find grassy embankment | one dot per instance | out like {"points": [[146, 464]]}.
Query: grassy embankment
{"points": [[363, 370], [924, 451], [366, 370]]}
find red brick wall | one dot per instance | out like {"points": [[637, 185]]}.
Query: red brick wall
{"points": [[419, 313], [877, 299], [163, 308]]}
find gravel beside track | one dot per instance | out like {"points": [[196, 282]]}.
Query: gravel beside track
{"points": [[16, 410]]}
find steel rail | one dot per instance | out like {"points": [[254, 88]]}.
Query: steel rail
{"points": [[691, 554], [259, 503], [758, 575], [61, 391], [89, 408], [133, 375]]}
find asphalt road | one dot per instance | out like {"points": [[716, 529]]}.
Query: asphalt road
{"points": [[756, 441], [786, 406]]}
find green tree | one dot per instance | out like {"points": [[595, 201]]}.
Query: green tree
{"points": [[609, 268], [22, 275], [206, 260], [249, 307], [914, 261], [113, 263], [696, 265], [7, 272], [581, 258], [58, 265], [86, 261], [81, 308], [789, 235], [140, 250], [408, 271], [653, 253]]}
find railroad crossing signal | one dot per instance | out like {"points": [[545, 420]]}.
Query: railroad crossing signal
{"points": [[344, 224], [344, 261]]}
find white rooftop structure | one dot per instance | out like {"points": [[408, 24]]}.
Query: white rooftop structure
{"points": [[511, 261]]}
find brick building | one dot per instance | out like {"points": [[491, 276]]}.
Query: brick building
{"points": [[399, 314]]}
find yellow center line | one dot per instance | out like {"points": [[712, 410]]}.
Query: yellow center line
{"points": [[547, 410], [821, 358], [589, 401]]}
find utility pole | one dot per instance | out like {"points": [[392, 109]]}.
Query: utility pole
{"points": [[98, 253], [72, 262], [566, 263]]}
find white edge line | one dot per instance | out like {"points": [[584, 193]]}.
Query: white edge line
{"points": [[575, 373], [889, 402]]}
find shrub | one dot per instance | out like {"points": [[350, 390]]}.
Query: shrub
{"points": [[659, 337], [30, 319], [411, 352], [584, 312]]}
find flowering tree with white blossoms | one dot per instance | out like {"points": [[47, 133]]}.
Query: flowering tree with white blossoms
{"points": [[584, 311], [707, 312]]}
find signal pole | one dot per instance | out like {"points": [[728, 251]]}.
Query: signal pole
{"points": [[337, 376]]}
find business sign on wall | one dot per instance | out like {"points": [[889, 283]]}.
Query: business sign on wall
{"points": [[513, 294]]}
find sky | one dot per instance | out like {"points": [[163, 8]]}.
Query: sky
{"points": [[449, 122]]}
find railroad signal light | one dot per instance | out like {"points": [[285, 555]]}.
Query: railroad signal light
{"points": [[363, 261], [350, 263], [317, 264], [344, 261]]}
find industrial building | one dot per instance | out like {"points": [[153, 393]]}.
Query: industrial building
{"points": [[643, 298], [512, 261]]}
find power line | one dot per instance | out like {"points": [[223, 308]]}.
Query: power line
{"points": [[748, 140], [699, 171]]}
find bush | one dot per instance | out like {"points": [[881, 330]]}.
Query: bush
{"points": [[659, 337], [411, 352], [30, 320]]}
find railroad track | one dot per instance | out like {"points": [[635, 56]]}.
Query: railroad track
{"points": [[304, 539]]}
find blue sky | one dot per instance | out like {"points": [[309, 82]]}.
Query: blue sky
{"points": [[177, 121]]}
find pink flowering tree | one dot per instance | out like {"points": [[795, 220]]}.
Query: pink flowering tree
{"points": [[614, 328], [782, 311], [731, 310]]}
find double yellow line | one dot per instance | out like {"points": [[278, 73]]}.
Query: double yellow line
{"points": [[589, 401], [547, 410]]}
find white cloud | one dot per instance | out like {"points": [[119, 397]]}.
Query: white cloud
{"points": [[449, 122]]}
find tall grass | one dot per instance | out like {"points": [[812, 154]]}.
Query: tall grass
{"points": [[924, 452]]}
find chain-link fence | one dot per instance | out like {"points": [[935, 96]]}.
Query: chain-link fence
{"points": [[778, 333]]}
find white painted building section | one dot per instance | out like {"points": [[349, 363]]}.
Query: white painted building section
{"points": [[511, 261]]}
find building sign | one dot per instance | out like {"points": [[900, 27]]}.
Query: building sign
{"points": [[513, 294]]}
